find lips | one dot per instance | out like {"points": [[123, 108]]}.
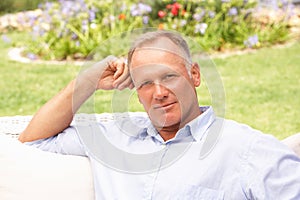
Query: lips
{"points": [[163, 106]]}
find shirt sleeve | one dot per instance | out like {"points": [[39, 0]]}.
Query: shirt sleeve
{"points": [[66, 142], [272, 170]]}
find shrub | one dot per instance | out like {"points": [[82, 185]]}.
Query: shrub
{"points": [[72, 29], [18, 5]]}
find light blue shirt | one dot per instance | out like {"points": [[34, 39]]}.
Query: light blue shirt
{"points": [[209, 158]]}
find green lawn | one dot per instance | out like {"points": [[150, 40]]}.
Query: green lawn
{"points": [[262, 88]]}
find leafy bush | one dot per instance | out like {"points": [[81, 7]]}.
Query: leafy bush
{"points": [[18, 5], [72, 29]]}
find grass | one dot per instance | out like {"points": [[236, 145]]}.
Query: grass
{"points": [[262, 88], [25, 87]]}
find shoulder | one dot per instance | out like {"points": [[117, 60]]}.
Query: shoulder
{"points": [[237, 134], [247, 143], [257, 147], [264, 161]]}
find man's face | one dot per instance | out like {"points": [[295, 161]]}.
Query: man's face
{"points": [[164, 86]]}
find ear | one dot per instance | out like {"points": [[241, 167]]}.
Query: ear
{"points": [[138, 96], [195, 74], [139, 99]]}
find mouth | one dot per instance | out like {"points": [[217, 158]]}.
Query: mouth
{"points": [[163, 106]]}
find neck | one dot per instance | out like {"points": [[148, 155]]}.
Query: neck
{"points": [[169, 132]]}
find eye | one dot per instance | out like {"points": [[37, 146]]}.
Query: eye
{"points": [[145, 84], [170, 77]]}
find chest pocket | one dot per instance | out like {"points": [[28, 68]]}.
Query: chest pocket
{"points": [[192, 192]]}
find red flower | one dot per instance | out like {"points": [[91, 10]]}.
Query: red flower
{"points": [[177, 5], [161, 14], [174, 11], [174, 8], [122, 16]]}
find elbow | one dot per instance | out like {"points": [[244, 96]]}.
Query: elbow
{"points": [[22, 138]]}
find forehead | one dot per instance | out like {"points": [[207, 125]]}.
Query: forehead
{"points": [[156, 58], [150, 55], [146, 61], [160, 51], [161, 43]]}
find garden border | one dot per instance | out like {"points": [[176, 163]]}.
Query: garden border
{"points": [[15, 54]]}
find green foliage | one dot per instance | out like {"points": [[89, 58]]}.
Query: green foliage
{"points": [[214, 24], [73, 29], [18, 5], [76, 28]]}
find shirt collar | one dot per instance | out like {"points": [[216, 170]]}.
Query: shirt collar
{"points": [[196, 128], [200, 124]]}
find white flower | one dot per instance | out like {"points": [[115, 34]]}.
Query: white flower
{"points": [[182, 22], [45, 26], [93, 26], [105, 21], [200, 28], [112, 18]]}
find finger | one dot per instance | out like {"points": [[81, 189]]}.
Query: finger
{"points": [[108, 62], [122, 80], [125, 75], [99, 68], [120, 67], [125, 84], [131, 86]]}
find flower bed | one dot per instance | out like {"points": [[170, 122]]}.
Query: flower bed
{"points": [[72, 29]]}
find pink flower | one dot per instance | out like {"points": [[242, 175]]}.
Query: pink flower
{"points": [[161, 14]]}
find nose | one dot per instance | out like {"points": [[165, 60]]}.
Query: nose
{"points": [[160, 92]]}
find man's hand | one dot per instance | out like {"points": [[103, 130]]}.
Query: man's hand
{"points": [[110, 73], [115, 76]]}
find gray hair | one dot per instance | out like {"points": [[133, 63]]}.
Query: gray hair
{"points": [[176, 38]]}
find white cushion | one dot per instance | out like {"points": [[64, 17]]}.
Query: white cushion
{"points": [[27, 173]]}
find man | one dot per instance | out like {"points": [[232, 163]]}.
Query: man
{"points": [[180, 151]]}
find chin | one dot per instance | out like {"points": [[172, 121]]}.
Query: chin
{"points": [[165, 120]]}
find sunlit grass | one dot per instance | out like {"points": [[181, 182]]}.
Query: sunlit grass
{"points": [[262, 89]]}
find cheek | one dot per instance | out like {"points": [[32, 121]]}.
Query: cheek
{"points": [[144, 98], [182, 89]]}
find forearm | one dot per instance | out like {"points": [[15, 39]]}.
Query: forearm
{"points": [[57, 114]]}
